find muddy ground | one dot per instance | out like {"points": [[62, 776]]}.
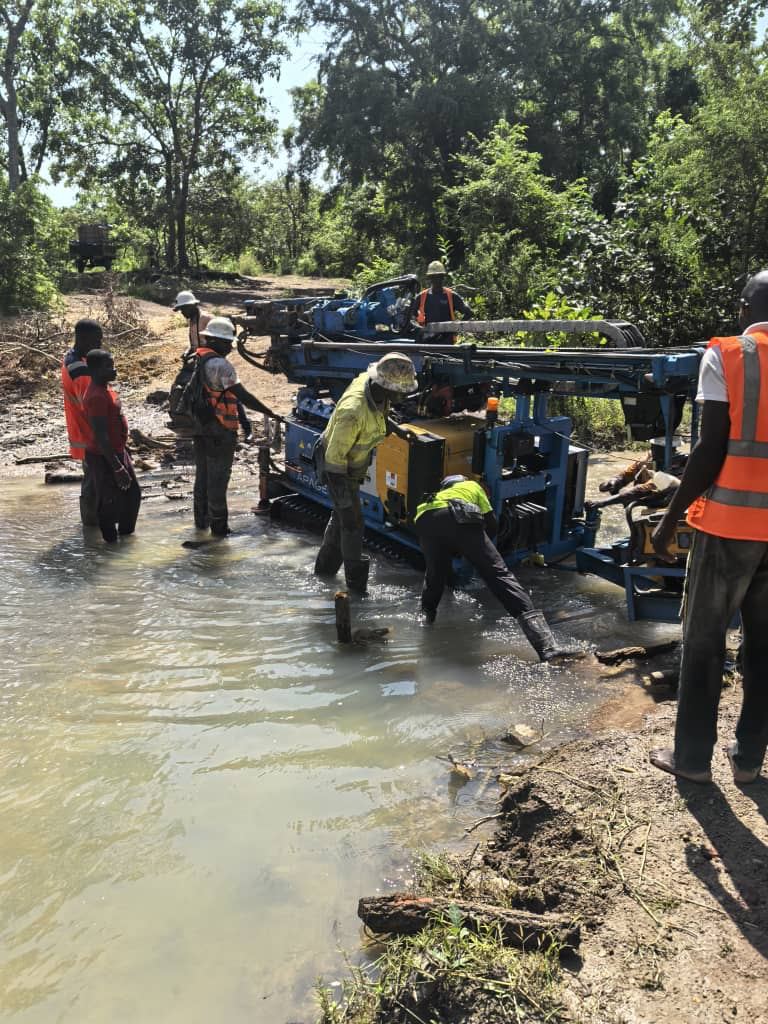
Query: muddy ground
{"points": [[668, 881]]}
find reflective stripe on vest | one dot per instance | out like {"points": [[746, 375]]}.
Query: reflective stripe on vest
{"points": [[78, 428], [736, 505], [224, 403], [422, 316]]}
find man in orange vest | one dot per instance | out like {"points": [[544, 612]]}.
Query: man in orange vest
{"points": [[215, 438], [188, 305], [438, 304], [75, 379], [725, 490]]}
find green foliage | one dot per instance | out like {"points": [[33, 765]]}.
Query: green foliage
{"points": [[174, 98], [377, 269], [447, 964], [32, 241]]}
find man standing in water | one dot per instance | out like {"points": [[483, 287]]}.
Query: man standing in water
{"points": [[359, 422], [216, 433], [725, 490], [118, 495], [458, 521], [188, 305], [75, 380]]}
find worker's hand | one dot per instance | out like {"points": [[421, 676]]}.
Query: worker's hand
{"points": [[662, 537], [122, 478]]}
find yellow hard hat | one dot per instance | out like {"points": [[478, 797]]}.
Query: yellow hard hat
{"points": [[435, 268]]}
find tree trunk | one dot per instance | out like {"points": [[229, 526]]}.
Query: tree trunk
{"points": [[11, 112], [170, 217], [10, 104], [182, 205]]}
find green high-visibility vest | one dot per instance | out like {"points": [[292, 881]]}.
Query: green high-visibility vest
{"points": [[467, 490]]}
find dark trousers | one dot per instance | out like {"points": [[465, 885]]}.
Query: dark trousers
{"points": [[116, 510], [89, 514], [343, 537], [442, 539], [214, 455], [724, 576]]}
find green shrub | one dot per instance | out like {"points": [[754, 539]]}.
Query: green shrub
{"points": [[33, 247]]}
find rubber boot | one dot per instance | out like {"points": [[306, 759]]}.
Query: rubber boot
{"points": [[540, 637], [328, 562], [356, 574]]}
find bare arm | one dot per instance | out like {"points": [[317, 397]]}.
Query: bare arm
{"points": [[250, 401], [700, 472]]}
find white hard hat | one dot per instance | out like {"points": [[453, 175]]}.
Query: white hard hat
{"points": [[185, 299], [395, 372], [220, 327]]}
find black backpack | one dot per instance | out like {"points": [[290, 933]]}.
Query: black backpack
{"points": [[189, 404]]}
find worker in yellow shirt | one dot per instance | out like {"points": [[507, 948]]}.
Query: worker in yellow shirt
{"points": [[359, 422], [458, 521]]}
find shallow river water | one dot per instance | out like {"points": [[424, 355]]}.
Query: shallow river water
{"points": [[198, 784]]}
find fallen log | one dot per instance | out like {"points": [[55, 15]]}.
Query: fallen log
{"points": [[627, 653], [60, 476], [142, 440], [403, 914], [29, 460]]}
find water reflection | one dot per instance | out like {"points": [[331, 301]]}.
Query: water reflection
{"points": [[198, 784]]}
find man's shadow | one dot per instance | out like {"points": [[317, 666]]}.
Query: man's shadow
{"points": [[740, 853]]}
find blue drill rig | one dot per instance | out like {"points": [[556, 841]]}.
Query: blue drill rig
{"points": [[534, 470]]}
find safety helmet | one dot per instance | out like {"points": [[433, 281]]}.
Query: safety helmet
{"points": [[435, 268], [394, 372], [185, 299], [449, 481], [220, 328]]}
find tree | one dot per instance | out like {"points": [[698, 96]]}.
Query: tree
{"points": [[32, 242], [38, 55], [175, 90], [403, 86], [14, 19]]}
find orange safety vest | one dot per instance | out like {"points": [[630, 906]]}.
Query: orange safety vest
{"points": [[223, 402], [78, 426], [421, 317], [736, 505]]}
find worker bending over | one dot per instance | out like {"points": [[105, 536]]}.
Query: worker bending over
{"points": [[359, 422], [458, 521], [725, 489], [215, 435], [188, 305], [118, 495], [75, 381], [438, 304]]}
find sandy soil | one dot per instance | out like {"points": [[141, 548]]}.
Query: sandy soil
{"points": [[683, 932], [147, 339]]}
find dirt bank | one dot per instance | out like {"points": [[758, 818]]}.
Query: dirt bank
{"points": [[668, 882], [147, 339]]}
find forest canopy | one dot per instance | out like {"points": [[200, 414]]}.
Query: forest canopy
{"points": [[602, 155]]}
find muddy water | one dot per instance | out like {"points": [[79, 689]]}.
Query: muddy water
{"points": [[197, 784]]}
